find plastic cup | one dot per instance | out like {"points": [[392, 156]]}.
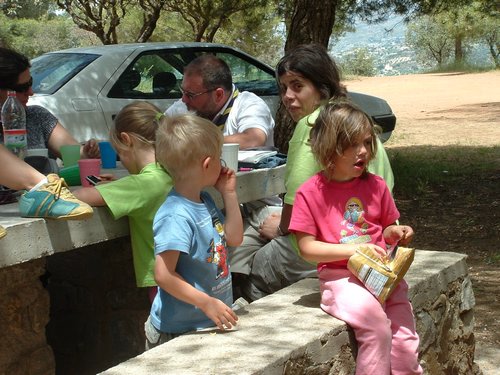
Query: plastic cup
{"points": [[108, 155], [70, 154], [230, 155], [89, 167], [71, 175]]}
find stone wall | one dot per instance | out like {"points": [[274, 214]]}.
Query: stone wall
{"points": [[24, 313], [97, 312], [97, 315], [287, 333]]}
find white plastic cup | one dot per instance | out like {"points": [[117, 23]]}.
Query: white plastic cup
{"points": [[230, 155]]}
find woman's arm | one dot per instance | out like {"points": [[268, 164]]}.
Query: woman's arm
{"points": [[60, 136]]}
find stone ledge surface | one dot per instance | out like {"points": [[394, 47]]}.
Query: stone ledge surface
{"points": [[29, 239], [287, 332]]}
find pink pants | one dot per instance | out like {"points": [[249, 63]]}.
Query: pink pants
{"points": [[387, 340]]}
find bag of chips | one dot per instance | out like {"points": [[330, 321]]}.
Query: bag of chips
{"points": [[379, 276]]}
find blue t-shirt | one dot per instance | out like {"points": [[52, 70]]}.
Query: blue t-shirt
{"points": [[196, 231]]}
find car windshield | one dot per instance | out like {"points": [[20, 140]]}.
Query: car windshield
{"points": [[51, 71]]}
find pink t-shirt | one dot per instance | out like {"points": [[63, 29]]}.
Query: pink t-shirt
{"points": [[356, 211]]}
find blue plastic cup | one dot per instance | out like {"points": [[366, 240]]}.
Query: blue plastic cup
{"points": [[108, 155]]}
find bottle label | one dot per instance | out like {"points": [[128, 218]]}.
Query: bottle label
{"points": [[15, 138]]}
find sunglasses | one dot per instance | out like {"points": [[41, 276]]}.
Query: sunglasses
{"points": [[23, 87]]}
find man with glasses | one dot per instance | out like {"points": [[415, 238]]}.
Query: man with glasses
{"points": [[207, 89]]}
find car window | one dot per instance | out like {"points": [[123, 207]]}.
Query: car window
{"points": [[158, 74], [150, 76], [249, 77], [51, 71]]}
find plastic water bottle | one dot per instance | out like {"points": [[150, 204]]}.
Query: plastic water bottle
{"points": [[14, 125]]}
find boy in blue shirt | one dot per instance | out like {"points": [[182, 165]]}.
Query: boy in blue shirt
{"points": [[191, 234]]}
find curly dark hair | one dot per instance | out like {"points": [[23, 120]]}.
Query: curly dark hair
{"points": [[12, 64]]}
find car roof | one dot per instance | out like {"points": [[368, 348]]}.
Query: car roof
{"points": [[128, 47]]}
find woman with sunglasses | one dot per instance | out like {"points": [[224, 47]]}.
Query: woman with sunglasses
{"points": [[45, 196], [44, 130]]}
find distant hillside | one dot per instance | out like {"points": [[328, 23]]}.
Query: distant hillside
{"points": [[386, 43]]}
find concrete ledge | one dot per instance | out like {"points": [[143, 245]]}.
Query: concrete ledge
{"points": [[288, 333], [29, 239]]}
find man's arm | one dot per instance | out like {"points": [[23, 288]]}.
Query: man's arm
{"points": [[252, 137]]}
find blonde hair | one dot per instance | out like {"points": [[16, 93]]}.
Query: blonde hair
{"points": [[138, 119], [338, 126], [183, 141]]}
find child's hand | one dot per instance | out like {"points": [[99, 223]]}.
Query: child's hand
{"points": [[378, 251], [221, 314], [107, 177], [91, 149], [402, 234], [227, 181]]}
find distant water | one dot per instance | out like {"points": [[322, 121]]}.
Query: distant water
{"points": [[386, 44]]}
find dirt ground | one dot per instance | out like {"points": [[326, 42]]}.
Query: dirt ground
{"points": [[454, 109]]}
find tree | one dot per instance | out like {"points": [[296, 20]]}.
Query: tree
{"points": [[257, 31], [100, 17], [438, 36], [35, 37], [358, 62], [490, 33], [152, 11], [25, 8], [430, 40], [206, 17]]}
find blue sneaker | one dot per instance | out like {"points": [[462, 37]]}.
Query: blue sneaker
{"points": [[53, 200]]}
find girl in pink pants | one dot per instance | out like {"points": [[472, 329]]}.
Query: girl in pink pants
{"points": [[387, 341], [334, 212]]}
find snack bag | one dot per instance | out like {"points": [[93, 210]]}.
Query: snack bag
{"points": [[380, 276]]}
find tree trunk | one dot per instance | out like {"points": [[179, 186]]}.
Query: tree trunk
{"points": [[459, 51], [311, 21]]}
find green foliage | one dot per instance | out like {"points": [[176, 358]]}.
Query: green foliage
{"points": [[5, 34], [438, 37], [461, 66], [432, 44], [358, 62], [35, 37], [25, 8], [255, 31]]}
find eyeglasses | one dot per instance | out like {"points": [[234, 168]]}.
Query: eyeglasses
{"points": [[191, 95], [23, 87], [223, 163]]}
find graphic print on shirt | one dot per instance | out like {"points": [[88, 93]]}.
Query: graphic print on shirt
{"points": [[354, 227], [217, 252]]}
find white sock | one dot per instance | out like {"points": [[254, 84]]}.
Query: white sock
{"points": [[42, 182]]}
